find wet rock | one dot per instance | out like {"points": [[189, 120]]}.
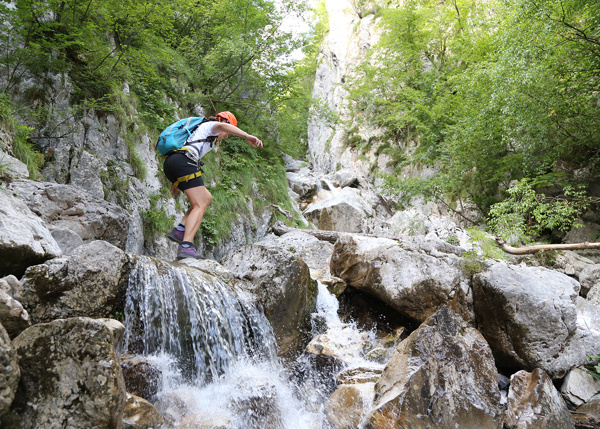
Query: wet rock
{"points": [[280, 282], [72, 208], [24, 238], [529, 318], [349, 404], [414, 278], [205, 421], [359, 375], [345, 212], [9, 372], [534, 402], [442, 375], [579, 387], [141, 376], [339, 346], [70, 375], [88, 283], [141, 413]]}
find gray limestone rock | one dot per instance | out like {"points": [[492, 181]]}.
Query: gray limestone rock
{"points": [[344, 212], [88, 283], [9, 372], [443, 375], [534, 402], [70, 375], [24, 238], [416, 277]]}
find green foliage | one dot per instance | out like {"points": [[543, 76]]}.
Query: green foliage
{"points": [[22, 148], [592, 367], [525, 214], [491, 92], [156, 221]]}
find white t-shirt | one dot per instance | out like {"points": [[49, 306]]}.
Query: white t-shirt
{"points": [[204, 131]]}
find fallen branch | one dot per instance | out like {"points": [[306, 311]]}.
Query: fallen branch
{"points": [[279, 228], [534, 249]]}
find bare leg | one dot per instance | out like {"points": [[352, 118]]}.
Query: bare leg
{"points": [[200, 198]]}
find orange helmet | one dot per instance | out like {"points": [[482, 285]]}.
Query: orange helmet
{"points": [[227, 117]]}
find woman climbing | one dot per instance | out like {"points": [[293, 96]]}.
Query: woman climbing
{"points": [[182, 168]]}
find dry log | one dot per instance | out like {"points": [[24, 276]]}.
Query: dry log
{"points": [[534, 249], [279, 228]]}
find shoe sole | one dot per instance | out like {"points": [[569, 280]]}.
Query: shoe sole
{"points": [[174, 239]]}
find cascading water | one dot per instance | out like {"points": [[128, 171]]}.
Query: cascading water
{"points": [[216, 354]]}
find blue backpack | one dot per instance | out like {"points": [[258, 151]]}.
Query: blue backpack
{"points": [[175, 135]]}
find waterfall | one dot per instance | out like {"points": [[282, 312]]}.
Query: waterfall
{"points": [[216, 354]]}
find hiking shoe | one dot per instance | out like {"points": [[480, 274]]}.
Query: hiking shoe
{"points": [[187, 252], [176, 236]]}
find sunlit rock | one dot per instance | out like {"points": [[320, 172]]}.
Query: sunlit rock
{"points": [[303, 185], [442, 375], [349, 404], [528, 316], [70, 375], [589, 277], [345, 212], [24, 238], [88, 283], [72, 208], [415, 278], [13, 316], [138, 411], [534, 402], [579, 387]]}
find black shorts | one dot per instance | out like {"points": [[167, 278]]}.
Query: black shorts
{"points": [[178, 165]]}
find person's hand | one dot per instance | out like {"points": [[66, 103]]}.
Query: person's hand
{"points": [[255, 142], [174, 190]]}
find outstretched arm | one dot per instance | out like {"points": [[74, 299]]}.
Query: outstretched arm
{"points": [[221, 127]]}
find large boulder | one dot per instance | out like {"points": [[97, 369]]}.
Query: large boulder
{"points": [[88, 283], [534, 402], [280, 282], [349, 405], [24, 238], [303, 185], [442, 375], [72, 208], [528, 316], [70, 375], [344, 212], [415, 277], [314, 252], [9, 372]]}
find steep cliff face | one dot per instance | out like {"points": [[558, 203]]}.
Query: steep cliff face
{"points": [[344, 47]]}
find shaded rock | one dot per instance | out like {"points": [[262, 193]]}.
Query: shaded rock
{"points": [[339, 346], [579, 387], [139, 412], [588, 415], [572, 264], [70, 375], [442, 375], [24, 238], [349, 405], [140, 375], [9, 372], [88, 283], [414, 278], [594, 295], [345, 212], [589, 277], [528, 316], [280, 282], [72, 208], [534, 402], [13, 316]]}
